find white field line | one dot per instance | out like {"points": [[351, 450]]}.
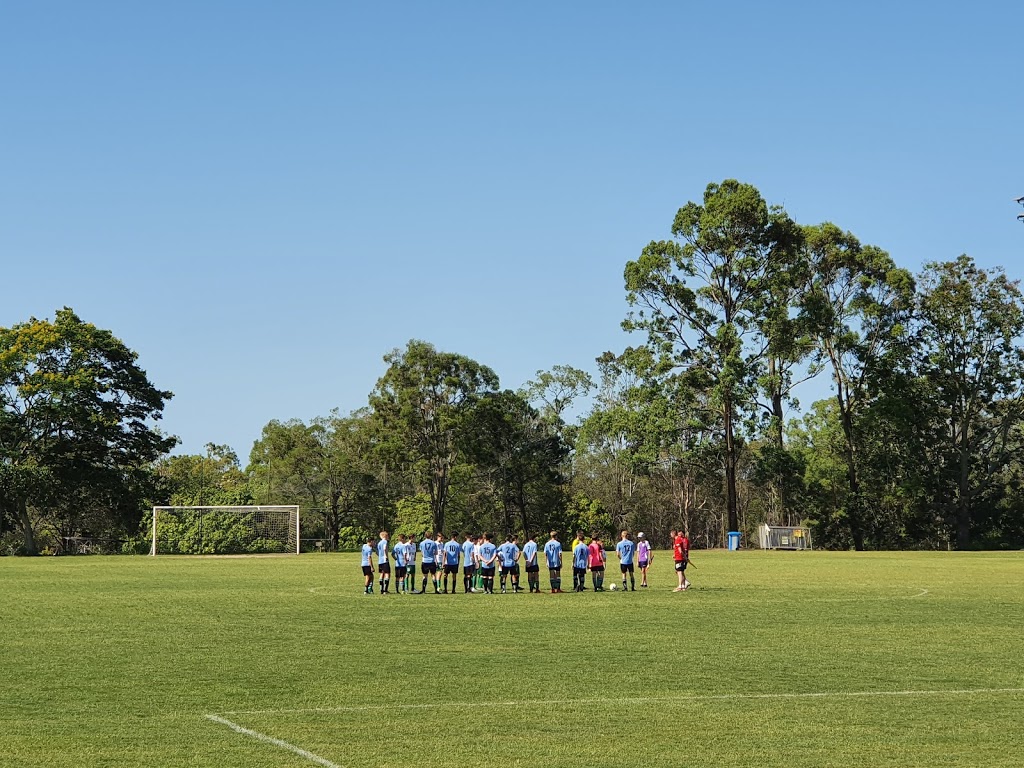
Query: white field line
{"points": [[643, 700], [276, 742]]}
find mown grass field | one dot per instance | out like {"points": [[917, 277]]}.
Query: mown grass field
{"points": [[773, 659]]}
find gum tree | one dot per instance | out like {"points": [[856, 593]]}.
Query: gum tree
{"points": [[701, 298], [423, 406]]}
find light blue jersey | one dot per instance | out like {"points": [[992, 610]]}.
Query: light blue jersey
{"points": [[399, 553], [382, 551], [367, 554], [467, 553], [428, 548], [487, 554], [505, 554], [581, 556], [553, 553], [626, 549], [530, 552], [451, 552]]}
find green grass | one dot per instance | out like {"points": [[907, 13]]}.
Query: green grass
{"points": [[117, 661]]}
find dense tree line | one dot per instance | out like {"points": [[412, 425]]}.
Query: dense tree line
{"points": [[919, 445]]}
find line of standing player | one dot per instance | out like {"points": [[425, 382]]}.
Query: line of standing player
{"points": [[481, 560]]}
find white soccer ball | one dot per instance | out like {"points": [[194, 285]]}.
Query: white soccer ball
{"points": [[613, 586]]}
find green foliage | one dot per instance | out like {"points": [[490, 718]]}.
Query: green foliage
{"points": [[329, 467], [701, 297], [77, 430], [413, 516], [422, 408]]}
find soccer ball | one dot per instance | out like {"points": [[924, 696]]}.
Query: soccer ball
{"points": [[613, 586]]}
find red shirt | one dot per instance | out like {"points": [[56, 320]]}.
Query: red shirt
{"points": [[681, 548], [596, 554]]}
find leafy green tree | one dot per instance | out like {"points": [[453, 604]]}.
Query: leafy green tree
{"points": [[521, 456], [702, 298], [77, 418], [214, 479], [325, 466], [970, 323], [554, 392], [856, 305], [423, 407]]}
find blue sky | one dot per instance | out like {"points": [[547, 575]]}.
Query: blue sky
{"points": [[263, 198]]}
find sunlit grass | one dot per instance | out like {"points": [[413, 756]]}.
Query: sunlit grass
{"points": [[774, 658]]}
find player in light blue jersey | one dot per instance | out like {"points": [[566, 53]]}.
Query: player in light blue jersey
{"points": [[488, 557], [452, 549], [383, 565], [532, 565], [553, 554], [399, 552], [411, 548], [514, 568], [508, 559], [428, 550], [367, 563], [468, 563], [626, 549], [580, 560], [504, 561]]}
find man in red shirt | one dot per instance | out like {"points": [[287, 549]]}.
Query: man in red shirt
{"points": [[681, 556]]}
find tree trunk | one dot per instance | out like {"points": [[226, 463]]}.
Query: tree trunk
{"points": [[522, 507], [778, 417], [963, 505], [853, 511], [334, 525], [26, 526], [731, 462]]}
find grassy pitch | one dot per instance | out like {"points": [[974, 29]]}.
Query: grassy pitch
{"points": [[772, 659]]}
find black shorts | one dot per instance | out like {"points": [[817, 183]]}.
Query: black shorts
{"points": [[533, 569], [626, 567], [555, 568], [579, 571], [510, 569], [452, 569], [429, 568], [468, 569], [680, 565], [384, 568], [399, 571], [367, 570], [487, 573], [597, 569]]}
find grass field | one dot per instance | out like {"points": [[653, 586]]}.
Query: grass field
{"points": [[773, 659]]}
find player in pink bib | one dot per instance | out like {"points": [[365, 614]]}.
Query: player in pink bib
{"points": [[644, 556]]}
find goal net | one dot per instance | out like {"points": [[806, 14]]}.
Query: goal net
{"points": [[784, 537], [225, 530]]}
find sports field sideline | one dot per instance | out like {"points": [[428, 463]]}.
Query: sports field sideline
{"points": [[772, 659]]}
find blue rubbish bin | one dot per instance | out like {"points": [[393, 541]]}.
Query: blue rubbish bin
{"points": [[733, 538]]}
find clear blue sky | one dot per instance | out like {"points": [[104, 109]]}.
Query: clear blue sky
{"points": [[263, 198]]}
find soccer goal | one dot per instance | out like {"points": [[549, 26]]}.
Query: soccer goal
{"points": [[225, 530], [784, 537]]}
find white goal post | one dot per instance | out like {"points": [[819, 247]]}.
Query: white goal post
{"points": [[225, 530]]}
